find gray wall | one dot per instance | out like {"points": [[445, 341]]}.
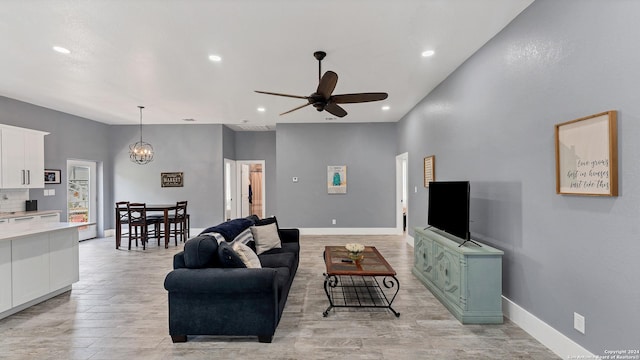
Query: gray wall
{"points": [[228, 143], [305, 151], [261, 145], [195, 150], [70, 137], [492, 122]]}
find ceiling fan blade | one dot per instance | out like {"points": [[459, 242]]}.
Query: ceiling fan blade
{"points": [[358, 98], [335, 109], [278, 94], [294, 109], [327, 84]]}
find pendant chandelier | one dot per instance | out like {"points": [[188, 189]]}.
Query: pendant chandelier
{"points": [[141, 152]]}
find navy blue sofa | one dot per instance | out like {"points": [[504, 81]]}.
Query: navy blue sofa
{"points": [[208, 299]]}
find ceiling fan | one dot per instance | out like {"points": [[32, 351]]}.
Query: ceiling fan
{"points": [[323, 99]]}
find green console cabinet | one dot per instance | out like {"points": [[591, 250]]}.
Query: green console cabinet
{"points": [[466, 279]]}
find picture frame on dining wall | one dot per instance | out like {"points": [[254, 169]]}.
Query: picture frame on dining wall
{"points": [[429, 170], [52, 176], [587, 155]]}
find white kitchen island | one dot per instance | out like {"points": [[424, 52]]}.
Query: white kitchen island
{"points": [[37, 262]]}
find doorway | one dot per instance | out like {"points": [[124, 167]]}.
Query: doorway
{"points": [[229, 189], [251, 188], [82, 196], [402, 193]]}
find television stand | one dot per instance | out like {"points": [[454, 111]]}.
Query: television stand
{"points": [[467, 280], [469, 240]]}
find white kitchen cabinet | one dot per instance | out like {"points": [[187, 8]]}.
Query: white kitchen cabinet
{"points": [[30, 268], [22, 158], [64, 267], [24, 219], [5, 275], [37, 262], [50, 217]]}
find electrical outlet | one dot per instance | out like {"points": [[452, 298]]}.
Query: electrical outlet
{"points": [[578, 322], [333, 221]]}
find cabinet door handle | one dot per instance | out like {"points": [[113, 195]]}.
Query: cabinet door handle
{"points": [[28, 177], [23, 177]]}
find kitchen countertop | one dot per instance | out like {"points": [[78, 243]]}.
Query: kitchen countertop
{"points": [[14, 231], [15, 214]]}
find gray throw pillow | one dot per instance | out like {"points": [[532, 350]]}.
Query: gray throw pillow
{"points": [[266, 238], [228, 258]]}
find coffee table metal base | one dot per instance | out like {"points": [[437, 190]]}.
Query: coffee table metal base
{"points": [[360, 291]]}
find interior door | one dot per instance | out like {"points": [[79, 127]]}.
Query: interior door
{"points": [[244, 191]]}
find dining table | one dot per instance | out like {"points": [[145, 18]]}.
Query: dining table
{"points": [[164, 208]]}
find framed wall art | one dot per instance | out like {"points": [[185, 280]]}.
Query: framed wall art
{"points": [[337, 179], [429, 170], [52, 176], [587, 155], [171, 179]]}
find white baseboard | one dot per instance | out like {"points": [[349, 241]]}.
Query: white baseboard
{"points": [[350, 231], [109, 232], [557, 342], [410, 240]]}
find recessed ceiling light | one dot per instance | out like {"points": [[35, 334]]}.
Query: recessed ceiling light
{"points": [[386, 107], [261, 109], [215, 58], [61, 50], [428, 53]]}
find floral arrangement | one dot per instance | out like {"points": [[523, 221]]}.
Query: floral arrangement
{"points": [[355, 248], [355, 251]]}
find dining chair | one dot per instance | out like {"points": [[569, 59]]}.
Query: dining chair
{"points": [[139, 224], [122, 213], [178, 223]]}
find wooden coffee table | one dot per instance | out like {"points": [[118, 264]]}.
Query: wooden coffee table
{"points": [[369, 283]]}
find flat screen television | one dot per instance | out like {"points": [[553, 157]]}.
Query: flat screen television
{"points": [[449, 207]]}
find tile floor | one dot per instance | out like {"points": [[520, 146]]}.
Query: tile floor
{"points": [[118, 310]]}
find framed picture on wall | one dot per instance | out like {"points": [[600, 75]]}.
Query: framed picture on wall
{"points": [[429, 170], [171, 179], [52, 176], [337, 179], [587, 156]]}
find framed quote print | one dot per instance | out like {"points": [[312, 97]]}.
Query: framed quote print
{"points": [[587, 156]]}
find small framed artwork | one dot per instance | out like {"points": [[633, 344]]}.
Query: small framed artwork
{"points": [[587, 156], [52, 176], [337, 179], [429, 170], [171, 179]]}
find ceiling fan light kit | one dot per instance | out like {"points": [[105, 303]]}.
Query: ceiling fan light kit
{"points": [[323, 100]]}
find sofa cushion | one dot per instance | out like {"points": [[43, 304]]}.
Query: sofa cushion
{"points": [[201, 252], [276, 260], [266, 221], [248, 256], [230, 229], [266, 237], [228, 258]]}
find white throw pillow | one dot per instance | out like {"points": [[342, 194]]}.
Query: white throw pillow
{"points": [[248, 257], [266, 237]]}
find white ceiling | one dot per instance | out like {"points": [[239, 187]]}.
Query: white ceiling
{"points": [[155, 53]]}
